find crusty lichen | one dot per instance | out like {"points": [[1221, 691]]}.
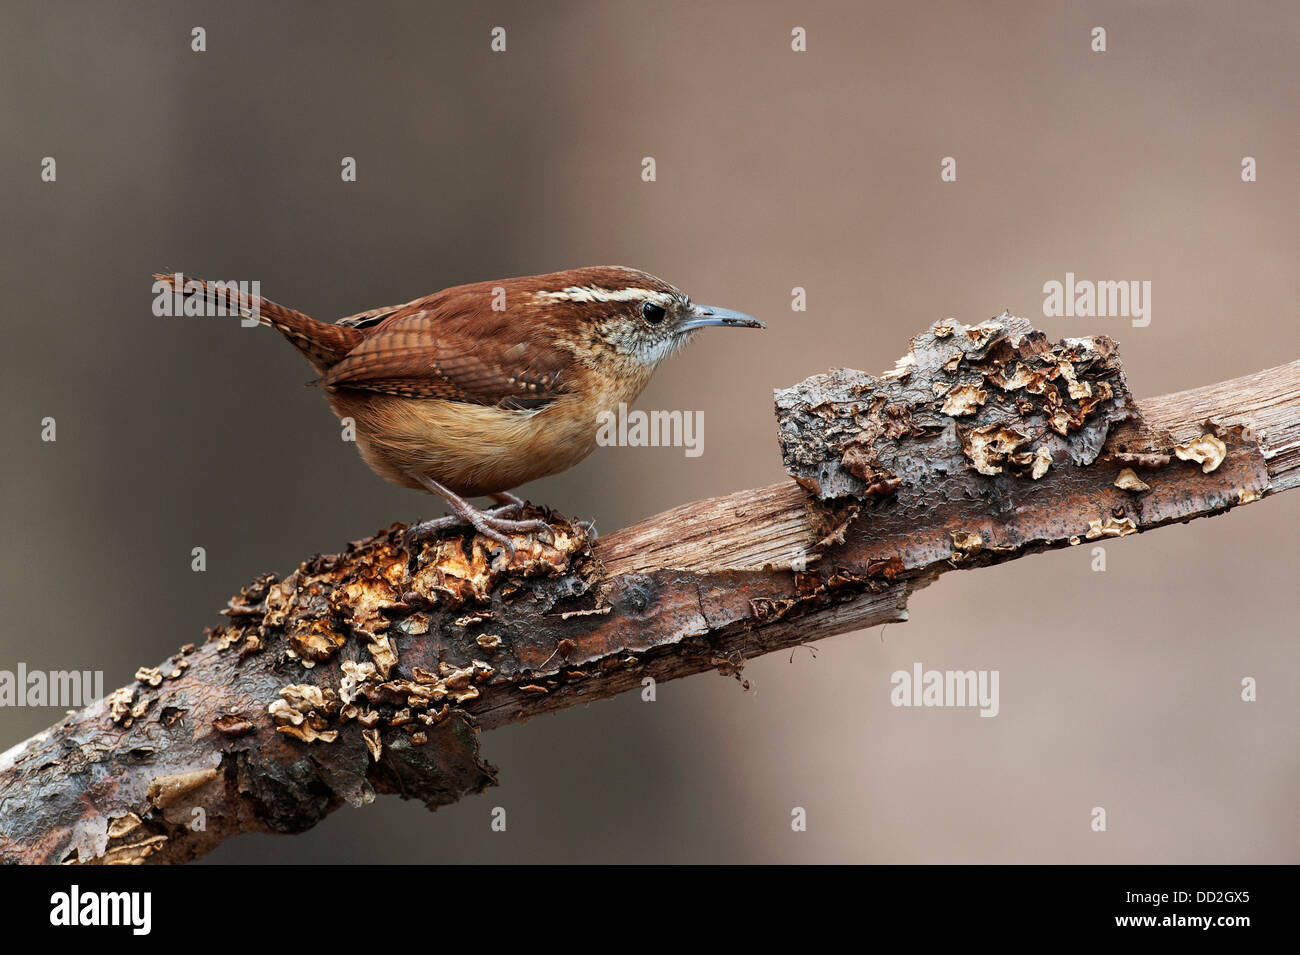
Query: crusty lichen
{"points": [[1208, 451], [385, 592], [304, 712], [165, 790], [963, 400], [996, 400], [119, 705], [149, 676], [966, 544], [1129, 481], [314, 641], [1110, 526]]}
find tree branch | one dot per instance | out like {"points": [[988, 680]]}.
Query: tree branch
{"points": [[372, 671]]}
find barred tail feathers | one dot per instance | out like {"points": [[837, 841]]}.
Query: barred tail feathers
{"points": [[320, 343]]}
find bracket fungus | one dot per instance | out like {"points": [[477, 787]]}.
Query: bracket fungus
{"points": [[969, 410]]}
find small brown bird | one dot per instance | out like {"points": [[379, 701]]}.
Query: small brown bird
{"points": [[481, 388]]}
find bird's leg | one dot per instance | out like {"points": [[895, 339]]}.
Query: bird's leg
{"points": [[507, 503], [491, 524]]}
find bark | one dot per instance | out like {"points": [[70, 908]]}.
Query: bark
{"points": [[373, 670]]}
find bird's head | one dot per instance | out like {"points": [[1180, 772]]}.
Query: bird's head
{"points": [[626, 314]]}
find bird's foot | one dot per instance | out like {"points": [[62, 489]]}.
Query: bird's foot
{"points": [[494, 524], [508, 502], [498, 529]]}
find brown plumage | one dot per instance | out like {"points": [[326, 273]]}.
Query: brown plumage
{"points": [[480, 388]]}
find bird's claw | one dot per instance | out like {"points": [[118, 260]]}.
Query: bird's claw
{"points": [[493, 524], [417, 532]]}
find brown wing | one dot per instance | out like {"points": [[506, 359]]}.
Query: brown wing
{"points": [[368, 319], [456, 357], [375, 316]]}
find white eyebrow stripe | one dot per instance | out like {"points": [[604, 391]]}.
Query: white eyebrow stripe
{"points": [[590, 293]]}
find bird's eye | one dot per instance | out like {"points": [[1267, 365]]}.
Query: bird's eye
{"points": [[654, 314]]}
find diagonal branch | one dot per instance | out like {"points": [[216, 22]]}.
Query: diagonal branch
{"points": [[372, 671]]}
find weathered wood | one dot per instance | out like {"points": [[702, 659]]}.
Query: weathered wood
{"points": [[371, 671]]}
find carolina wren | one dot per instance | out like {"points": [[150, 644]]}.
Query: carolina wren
{"points": [[480, 388]]}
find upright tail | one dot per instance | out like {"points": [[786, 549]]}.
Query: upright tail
{"points": [[320, 343]]}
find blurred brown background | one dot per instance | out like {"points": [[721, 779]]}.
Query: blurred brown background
{"points": [[775, 170]]}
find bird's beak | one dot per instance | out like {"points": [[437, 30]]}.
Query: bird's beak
{"points": [[703, 315]]}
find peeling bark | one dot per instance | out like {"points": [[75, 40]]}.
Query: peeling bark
{"points": [[372, 671]]}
